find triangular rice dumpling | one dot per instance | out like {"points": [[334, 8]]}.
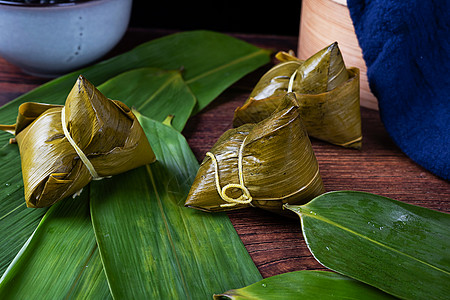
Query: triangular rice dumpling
{"points": [[262, 165], [328, 94], [63, 148]]}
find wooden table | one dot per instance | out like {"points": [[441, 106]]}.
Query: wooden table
{"points": [[275, 243]]}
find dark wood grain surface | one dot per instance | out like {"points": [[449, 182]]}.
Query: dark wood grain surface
{"points": [[275, 243]]}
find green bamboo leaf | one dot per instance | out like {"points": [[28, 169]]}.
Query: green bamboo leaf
{"points": [[152, 247], [210, 62], [306, 285], [399, 248], [153, 92], [60, 260], [16, 220]]}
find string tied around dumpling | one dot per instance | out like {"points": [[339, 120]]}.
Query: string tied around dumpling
{"points": [[80, 152], [245, 197]]}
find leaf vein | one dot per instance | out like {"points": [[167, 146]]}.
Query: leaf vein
{"points": [[323, 219], [169, 236], [157, 92], [224, 66], [11, 211]]}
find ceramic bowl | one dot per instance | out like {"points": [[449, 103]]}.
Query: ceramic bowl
{"points": [[48, 40]]}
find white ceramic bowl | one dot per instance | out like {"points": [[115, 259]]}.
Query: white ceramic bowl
{"points": [[50, 40]]}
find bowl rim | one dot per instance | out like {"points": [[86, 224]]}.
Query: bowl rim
{"points": [[44, 5]]}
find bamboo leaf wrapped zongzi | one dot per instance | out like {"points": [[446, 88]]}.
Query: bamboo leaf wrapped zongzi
{"points": [[63, 148], [327, 92], [262, 165]]}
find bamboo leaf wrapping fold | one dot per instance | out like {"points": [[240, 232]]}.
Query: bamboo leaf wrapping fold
{"points": [[210, 61], [306, 285], [54, 139], [164, 251], [327, 91], [396, 247], [261, 165]]}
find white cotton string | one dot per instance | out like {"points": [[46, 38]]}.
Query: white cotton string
{"points": [[246, 197], [80, 152]]}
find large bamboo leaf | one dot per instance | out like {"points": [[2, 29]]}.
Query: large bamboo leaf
{"points": [[17, 222], [152, 247], [306, 285], [210, 62], [397, 247], [61, 259], [153, 92]]}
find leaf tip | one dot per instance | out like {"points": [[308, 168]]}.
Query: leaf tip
{"points": [[168, 120], [294, 208]]}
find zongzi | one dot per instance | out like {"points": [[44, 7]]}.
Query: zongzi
{"points": [[262, 165], [64, 147], [327, 92]]}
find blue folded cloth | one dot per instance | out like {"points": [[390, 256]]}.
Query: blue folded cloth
{"points": [[406, 47]]}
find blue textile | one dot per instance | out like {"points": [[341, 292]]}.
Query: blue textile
{"points": [[406, 47]]}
